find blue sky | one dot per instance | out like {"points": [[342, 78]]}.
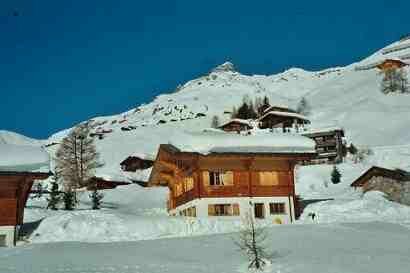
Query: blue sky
{"points": [[63, 62]]}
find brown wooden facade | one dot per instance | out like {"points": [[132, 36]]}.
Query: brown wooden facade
{"points": [[186, 174], [134, 163], [14, 190], [330, 146]]}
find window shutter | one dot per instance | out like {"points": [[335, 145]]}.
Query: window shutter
{"points": [[235, 209], [228, 178], [269, 178], [205, 176], [275, 178], [211, 210]]}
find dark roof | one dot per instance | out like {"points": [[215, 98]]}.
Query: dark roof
{"points": [[133, 158], [35, 174], [397, 174]]}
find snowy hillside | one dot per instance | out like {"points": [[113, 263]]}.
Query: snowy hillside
{"points": [[345, 96], [7, 137]]}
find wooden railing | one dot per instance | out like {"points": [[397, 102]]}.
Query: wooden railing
{"points": [[184, 198]]}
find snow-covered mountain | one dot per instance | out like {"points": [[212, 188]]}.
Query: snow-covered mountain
{"points": [[7, 137], [348, 96]]}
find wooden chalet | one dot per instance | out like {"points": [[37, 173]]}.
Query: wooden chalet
{"points": [[104, 184], [16, 179], [330, 145], [136, 162], [231, 180], [283, 120], [391, 64], [236, 125]]}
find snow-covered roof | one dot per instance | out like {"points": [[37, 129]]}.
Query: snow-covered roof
{"points": [[284, 114], [139, 175], [23, 158], [143, 156], [112, 176], [375, 63], [321, 130], [206, 143], [278, 106], [238, 120]]}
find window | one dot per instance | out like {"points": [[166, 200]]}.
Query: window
{"points": [[189, 183], [277, 208], [259, 210], [178, 189], [190, 212], [217, 178], [268, 178], [3, 240], [223, 210]]}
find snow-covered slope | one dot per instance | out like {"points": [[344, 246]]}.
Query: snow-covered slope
{"points": [[342, 96], [7, 137]]}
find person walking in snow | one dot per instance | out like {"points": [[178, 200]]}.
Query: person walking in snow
{"points": [[312, 215]]}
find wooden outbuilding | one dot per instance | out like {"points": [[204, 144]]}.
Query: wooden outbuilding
{"points": [[391, 64], [374, 172], [393, 183], [18, 170], [231, 180], [236, 125], [104, 183], [14, 190]]}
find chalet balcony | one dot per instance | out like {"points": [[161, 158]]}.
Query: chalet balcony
{"points": [[327, 142], [184, 198]]}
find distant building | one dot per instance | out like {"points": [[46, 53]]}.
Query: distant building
{"points": [[19, 167], [330, 145], [373, 175], [137, 162], [232, 175], [392, 182], [285, 121], [391, 64], [236, 125], [104, 183]]}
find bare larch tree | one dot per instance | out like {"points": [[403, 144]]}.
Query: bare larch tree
{"points": [[251, 242], [395, 80], [77, 158]]}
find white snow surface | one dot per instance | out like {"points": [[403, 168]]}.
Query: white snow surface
{"points": [[374, 247], [214, 142], [22, 158]]}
